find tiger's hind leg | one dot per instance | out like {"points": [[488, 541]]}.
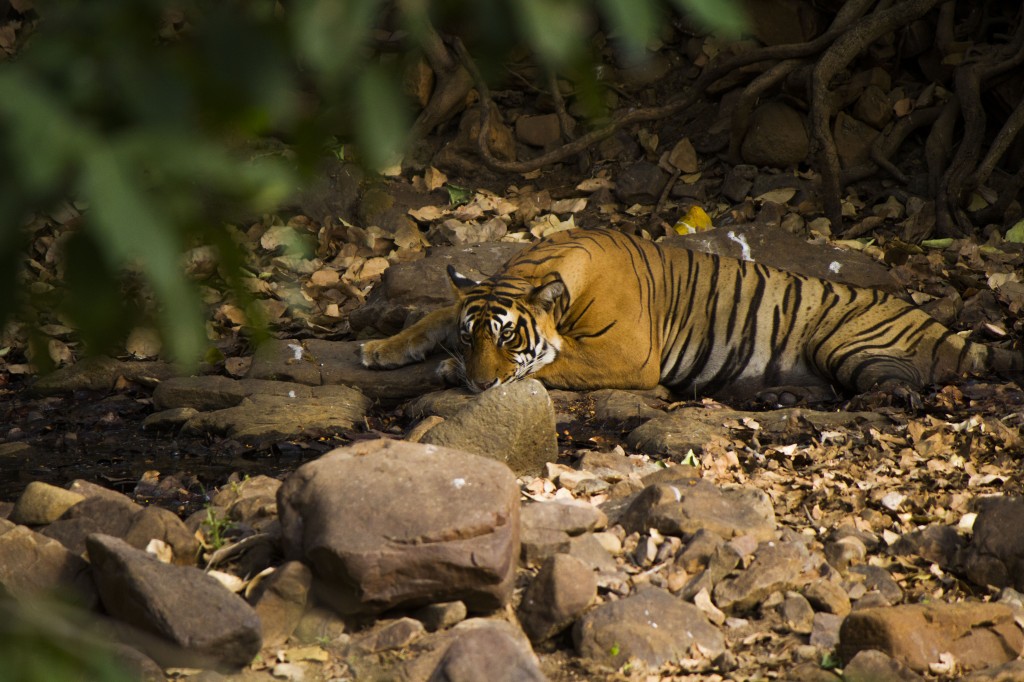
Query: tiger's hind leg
{"points": [[413, 343]]}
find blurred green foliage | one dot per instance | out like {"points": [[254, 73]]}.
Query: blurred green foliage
{"points": [[147, 114]]}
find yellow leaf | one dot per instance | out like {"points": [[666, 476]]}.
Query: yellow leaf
{"points": [[695, 220]]}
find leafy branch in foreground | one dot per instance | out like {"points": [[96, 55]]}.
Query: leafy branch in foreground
{"points": [[148, 115]]}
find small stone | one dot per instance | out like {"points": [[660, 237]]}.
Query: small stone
{"points": [[166, 420], [106, 515], [318, 625], [539, 131], [562, 590], [41, 503], [156, 523], [32, 565], [845, 552], [488, 650], [870, 665], [394, 634], [441, 616], [640, 183], [828, 596], [797, 613], [280, 601], [776, 136], [825, 631], [571, 518]]}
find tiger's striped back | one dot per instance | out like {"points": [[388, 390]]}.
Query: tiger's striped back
{"points": [[632, 313]]}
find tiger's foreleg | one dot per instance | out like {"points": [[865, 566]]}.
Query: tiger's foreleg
{"points": [[413, 343]]}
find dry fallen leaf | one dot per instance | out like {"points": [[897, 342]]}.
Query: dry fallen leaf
{"points": [[144, 342]]}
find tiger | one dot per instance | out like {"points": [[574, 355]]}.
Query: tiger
{"points": [[586, 309]]}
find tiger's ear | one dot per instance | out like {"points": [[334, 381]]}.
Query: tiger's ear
{"points": [[545, 295], [460, 283]]}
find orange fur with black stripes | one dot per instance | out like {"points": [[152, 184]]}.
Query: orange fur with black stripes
{"points": [[588, 309]]}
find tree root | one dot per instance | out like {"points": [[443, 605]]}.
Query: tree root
{"points": [[857, 25]]}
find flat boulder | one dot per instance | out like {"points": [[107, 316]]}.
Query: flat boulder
{"points": [[651, 625], [689, 428], [512, 423], [323, 411], [387, 523], [199, 620], [778, 248]]}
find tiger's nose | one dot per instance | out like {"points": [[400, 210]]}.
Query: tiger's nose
{"points": [[484, 385]]}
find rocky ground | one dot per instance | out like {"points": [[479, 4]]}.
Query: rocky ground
{"points": [[286, 514], [607, 535]]}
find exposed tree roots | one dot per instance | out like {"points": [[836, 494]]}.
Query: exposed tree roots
{"points": [[977, 58]]}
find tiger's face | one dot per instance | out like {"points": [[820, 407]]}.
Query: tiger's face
{"points": [[506, 330]]}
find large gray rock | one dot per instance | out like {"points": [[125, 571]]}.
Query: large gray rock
{"points": [[388, 523], [202, 620], [977, 635], [513, 423], [683, 510], [408, 291], [651, 625], [33, 565]]}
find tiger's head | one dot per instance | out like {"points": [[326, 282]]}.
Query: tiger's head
{"points": [[505, 328]]}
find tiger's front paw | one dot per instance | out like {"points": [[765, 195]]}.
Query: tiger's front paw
{"points": [[384, 354], [451, 371]]}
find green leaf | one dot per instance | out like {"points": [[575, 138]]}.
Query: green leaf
{"points": [[556, 28], [381, 116], [132, 231], [1016, 233], [724, 17], [330, 34], [633, 20], [457, 196], [43, 137], [937, 243]]}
